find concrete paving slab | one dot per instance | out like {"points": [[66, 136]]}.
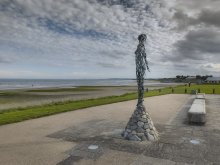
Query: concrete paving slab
{"points": [[65, 138]]}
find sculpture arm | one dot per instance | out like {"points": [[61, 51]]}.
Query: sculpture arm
{"points": [[146, 62]]}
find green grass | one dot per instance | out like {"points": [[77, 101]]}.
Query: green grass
{"points": [[207, 88], [21, 114], [16, 115]]}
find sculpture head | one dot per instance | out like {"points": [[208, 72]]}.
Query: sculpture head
{"points": [[142, 37]]}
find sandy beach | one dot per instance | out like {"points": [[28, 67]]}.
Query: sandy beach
{"points": [[39, 96], [28, 142]]}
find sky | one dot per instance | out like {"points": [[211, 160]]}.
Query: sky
{"points": [[77, 39]]}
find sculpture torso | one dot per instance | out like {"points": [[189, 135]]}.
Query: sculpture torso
{"points": [[140, 59], [141, 64]]}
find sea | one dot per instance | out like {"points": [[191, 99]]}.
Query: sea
{"points": [[45, 83]]}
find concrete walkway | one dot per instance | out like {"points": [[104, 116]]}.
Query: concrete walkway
{"points": [[65, 138]]}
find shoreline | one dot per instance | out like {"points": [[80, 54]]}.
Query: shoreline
{"points": [[165, 84], [20, 98], [23, 105], [23, 84]]}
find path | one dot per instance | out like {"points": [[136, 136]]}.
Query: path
{"points": [[64, 138]]}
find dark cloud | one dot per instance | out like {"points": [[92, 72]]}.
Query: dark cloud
{"points": [[115, 54], [197, 45], [4, 60], [200, 41], [124, 3], [128, 4], [206, 17], [108, 65], [183, 20], [197, 5], [181, 65], [209, 17], [197, 50]]}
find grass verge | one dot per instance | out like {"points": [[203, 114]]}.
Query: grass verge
{"points": [[21, 114]]}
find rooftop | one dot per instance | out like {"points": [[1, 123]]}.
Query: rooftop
{"points": [[213, 79]]}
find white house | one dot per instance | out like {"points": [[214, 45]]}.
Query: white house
{"points": [[213, 80]]}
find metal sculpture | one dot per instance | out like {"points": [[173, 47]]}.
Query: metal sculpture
{"points": [[140, 126], [141, 65]]}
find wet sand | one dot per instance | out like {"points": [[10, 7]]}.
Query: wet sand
{"points": [[24, 97]]}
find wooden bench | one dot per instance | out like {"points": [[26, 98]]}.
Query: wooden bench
{"points": [[197, 112]]}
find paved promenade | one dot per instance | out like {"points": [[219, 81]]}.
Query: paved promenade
{"points": [[69, 138]]}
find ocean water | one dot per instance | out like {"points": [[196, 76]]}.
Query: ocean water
{"points": [[44, 83]]}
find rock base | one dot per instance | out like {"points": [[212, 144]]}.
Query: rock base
{"points": [[140, 126]]}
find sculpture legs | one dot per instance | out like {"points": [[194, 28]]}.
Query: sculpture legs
{"points": [[140, 82], [140, 126]]}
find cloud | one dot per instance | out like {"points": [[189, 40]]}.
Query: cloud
{"points": [[43, 31], [212, 66], [109, 65], [199, 44], [197, 53], [206, 17], [209, 17], [114, 54], [96, 36], [197, 5], [183, 20], [4, 60]]}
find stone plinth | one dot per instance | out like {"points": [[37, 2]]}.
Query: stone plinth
{"points": [[197, 112], [140, 126], [200, 96]]}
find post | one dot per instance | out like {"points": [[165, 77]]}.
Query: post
{"points": [[213, 90]]}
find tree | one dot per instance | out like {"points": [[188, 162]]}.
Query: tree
{"points": [[198, 77]]}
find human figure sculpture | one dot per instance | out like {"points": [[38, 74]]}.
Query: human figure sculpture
{"points": [[141, 65], [140, 126]]}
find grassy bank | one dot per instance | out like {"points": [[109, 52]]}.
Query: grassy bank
{"points": [[21, 114], [207, 88]]}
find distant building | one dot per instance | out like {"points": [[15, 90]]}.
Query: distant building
{"points": [[213, 80], [191, 78]]}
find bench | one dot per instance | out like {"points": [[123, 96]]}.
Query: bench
{"points": [[197, 112], [200, 96]]}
